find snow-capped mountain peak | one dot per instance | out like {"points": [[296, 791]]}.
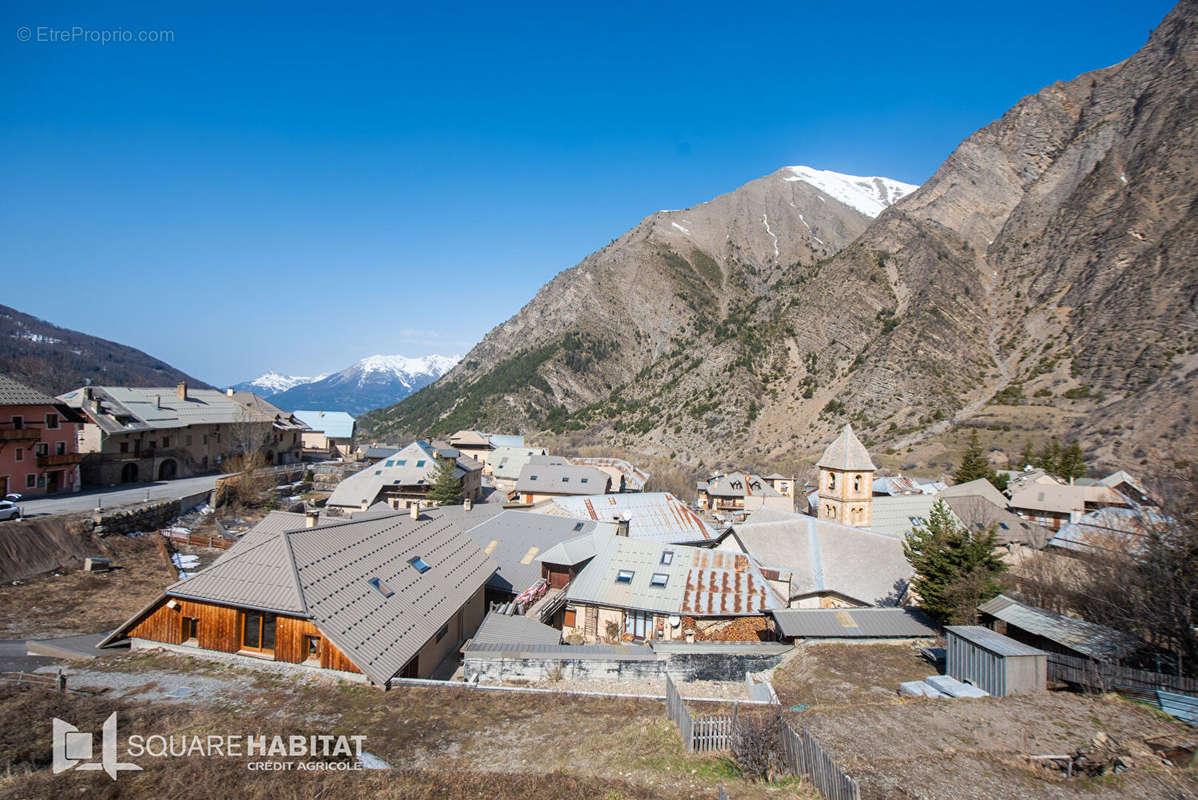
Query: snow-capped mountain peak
{"points": [[401, 366], [273, 383], [871, 196]]}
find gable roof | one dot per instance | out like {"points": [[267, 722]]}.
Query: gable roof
{"points": [[699, 582], [824, 556], [979, 487], [514, 630], [897, 515], [1064, 499], [846, 453], [740, 484], [414, 465], [15, 393], [335, 563], [633, 477], [506, 462], [123, 409], [514, 539], [977, 513], [1096, 641], [658, 516], [499, 440], [268, 527], [562, 479], [333, 424], [470, 439], [260, 576], [854, 623]]}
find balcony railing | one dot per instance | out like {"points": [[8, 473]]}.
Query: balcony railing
{"points": [[20, 434], [63, 460]]}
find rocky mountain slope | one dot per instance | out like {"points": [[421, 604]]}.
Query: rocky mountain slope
{"points": [[1050, 261], [55, 360], [370, 382]]}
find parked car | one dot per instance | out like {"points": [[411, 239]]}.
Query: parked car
{"points": [[13, 497], [9, 510]]}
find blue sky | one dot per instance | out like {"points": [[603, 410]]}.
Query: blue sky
{"points": [[297, 186]]}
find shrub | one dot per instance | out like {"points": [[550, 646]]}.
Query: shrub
{"points": [[756, 746]]}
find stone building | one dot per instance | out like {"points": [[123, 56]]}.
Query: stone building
{"points": [[846, 477]]}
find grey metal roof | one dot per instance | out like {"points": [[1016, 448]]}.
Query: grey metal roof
{"points": [[333, 424], [514, 630], [994, 642], [699, 582], [657, 516], [1087, 638], [980, 487], [577, 550], [469, 439], [740, 484], [15, 393], [562, 479], [506, 462], [499, 440], [260, 576], [633, 477], [381, 634], [771, 514], [854, 623], [415, 465], [1121, 530], [268, 527], [514, 539], [977, 514], [124, 409], [826, 557], [897, 515], [380, 451], [847, 453]]}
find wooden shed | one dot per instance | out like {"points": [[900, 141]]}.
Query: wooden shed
{"points": [[994, 663]]}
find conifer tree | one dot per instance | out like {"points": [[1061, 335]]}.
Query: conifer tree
{"points": [[1027, 457], [955, 569], [446, 489], [973, 463], [1071, 463]]}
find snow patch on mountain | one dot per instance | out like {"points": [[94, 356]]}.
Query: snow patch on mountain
{"points": [[404, 367], [273, 382], [869, 195]]}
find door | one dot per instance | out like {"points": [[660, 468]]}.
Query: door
{"points": [[53, 481], [129, 473], [258, 632]]}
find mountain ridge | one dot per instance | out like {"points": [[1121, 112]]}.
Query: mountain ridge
{"points": [[368, 383]]}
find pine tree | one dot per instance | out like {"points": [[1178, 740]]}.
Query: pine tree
{"points": [[973, 462], [955, 569], [1027, 457], [1050, 456], [446, 488], [1071, 463]]}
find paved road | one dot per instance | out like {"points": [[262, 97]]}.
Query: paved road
{"points": [[125, 494], [14, 659]]}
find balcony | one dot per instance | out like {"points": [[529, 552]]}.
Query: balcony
{"points": [[64, 460], [20, 434]]}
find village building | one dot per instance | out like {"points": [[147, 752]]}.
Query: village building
{"points": [[403, 480], [896, 485], [728, 493], [1052, 504], [625, 589], [38, 442], [854, 624], [481, 446], [826, 564], [1057, 633], [782, 485], [657, 516], [625, 477], [846, 477], [539, 481], [374, 453], [384, 596], [506, 463], [143, 434], [1109, 530], [331, 433]]}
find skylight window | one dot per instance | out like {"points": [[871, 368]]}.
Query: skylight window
{"points": [[420, 463], [586, 480], [565, 479], [401, 462], [391, 463], [659, 579], [667, 557], [532, 477], [578, 526], [378, 472], [624, 576], [419, 564], [382, 588]]}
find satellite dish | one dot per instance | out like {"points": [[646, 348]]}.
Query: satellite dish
{"points": [[675, 620]]}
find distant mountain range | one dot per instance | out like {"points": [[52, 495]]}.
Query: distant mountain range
{"points": [[371, 382], [55, 360]]}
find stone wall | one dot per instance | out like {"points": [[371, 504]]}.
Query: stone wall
{"points": [[147, 516]]}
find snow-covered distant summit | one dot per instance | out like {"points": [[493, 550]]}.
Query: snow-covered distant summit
{"points": [[871, 196], [272, 383], [370, 382]]}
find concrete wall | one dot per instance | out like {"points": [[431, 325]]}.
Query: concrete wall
{"points": [[698, 664], [147, 516]]}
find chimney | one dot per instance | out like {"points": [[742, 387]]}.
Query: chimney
{"points": [[157, 401], [365, 504], [467, 504], [182, 389], [621, 527], [414, 509], [87, 392], [229, 391], [311, 518]]}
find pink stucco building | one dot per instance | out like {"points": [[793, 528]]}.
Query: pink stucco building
{"points": [[38, 454]]}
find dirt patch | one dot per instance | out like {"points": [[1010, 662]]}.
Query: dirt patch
{"points": [[831, 673], [73, 601], [979, 748]]}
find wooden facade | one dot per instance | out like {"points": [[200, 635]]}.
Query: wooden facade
{"points": [[219, 628]]}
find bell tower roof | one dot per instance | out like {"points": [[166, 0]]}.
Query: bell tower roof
{"points": [[846, 453]]}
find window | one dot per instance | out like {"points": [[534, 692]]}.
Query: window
{"points": [[420, 463], [153, 443], [659, 579], [441, 633], [578, 526], [378, 472], [639, 624], [419, 564], [390, 463], [584, 480], [258, 632], [382, 588], [191, 628], [52, 422], [18, 422], [565, 479], [831, 480], [856, 483], [42, 448], [401, 462], [187, 440], [20, 454], [31, 481], [312, 648], [166, 441], [60, 449], [624, 576], [570, 619], [667, 557], [532, 477], [124, 447]]}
